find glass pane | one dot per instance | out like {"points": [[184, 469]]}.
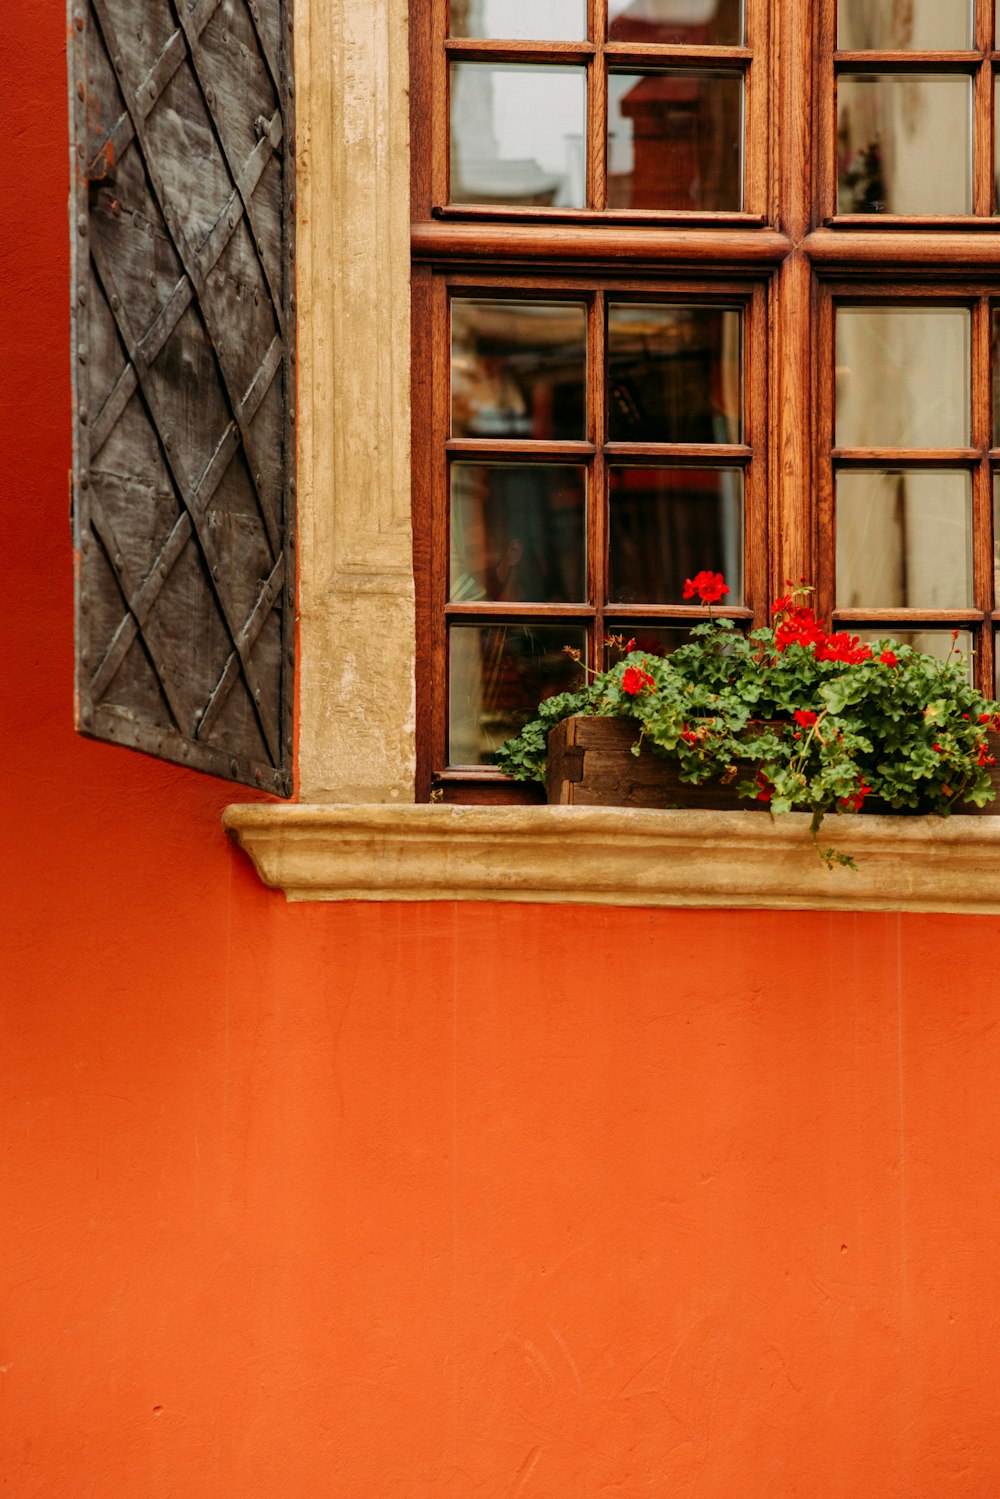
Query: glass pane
{"points": [[919, 26], [520, 20], [518, 533], [517, 135], [668, 524], [497, 675], [903, 377], [518, 369], [675, 140], [938, 643], [996, 541], [675, 374], [904, 144], [694, 23], [904, 540], [652, 640]]}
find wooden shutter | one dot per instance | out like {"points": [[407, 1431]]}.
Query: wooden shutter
{"points": [[183, 314]]}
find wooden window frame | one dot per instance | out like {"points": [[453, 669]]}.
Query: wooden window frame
{"points": [[980, 63], [432, 51], [793, 249], [981, 459]]}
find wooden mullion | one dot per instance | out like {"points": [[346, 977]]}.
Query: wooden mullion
{"points": [[646, 56], [756, 540], [440, 85], [674, 613], [521, 450], [682, 455], [982, 487], [498, 611], [597, 485], [597, 112], [425, 294], [790, 520], [424, 121], [982, 139], [756, 142], [943, 618], [485, 49], [824, 120], [867, 458], [597, 248], [906, 61], [824, 558]]}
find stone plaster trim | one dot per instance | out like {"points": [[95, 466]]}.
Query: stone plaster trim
{"points": [[619, 857], [356, 611]]}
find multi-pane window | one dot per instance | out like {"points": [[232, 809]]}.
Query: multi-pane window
{"points": [[915, 473], [601, 450], [697, 284], [622, 107]]}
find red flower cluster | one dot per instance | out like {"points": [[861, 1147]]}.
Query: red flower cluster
{"points": [[985, 758], [856, 800], [708, 587], [804, 717], [796, 624], [635, 681], [766, 789], [889, 658]]}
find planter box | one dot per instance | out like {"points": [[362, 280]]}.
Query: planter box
{"points": [[591, 765]]}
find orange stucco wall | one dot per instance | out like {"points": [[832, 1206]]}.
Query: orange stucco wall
{"points": [[444, 1202]]}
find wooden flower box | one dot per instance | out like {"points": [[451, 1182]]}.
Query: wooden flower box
{"points": [[591, 764]]}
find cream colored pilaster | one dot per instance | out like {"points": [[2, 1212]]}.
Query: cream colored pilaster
{"points": [[356, 707]]}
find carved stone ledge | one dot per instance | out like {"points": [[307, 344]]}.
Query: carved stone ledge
{"points": [[619, 857]]}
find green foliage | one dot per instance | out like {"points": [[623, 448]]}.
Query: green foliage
{"points": [[888, 727]]}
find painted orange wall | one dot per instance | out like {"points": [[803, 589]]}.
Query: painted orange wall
{"points": [[444, 1202]]}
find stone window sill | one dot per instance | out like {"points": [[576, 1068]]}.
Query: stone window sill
{"points": [[619, 857]]}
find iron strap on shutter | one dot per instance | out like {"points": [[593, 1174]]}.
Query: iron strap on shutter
{"points": [[183, 353]]}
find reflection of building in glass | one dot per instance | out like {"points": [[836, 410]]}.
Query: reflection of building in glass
{"points": [[517, 133], [675, 141], [704, 23]]}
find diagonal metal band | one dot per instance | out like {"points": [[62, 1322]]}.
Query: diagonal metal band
{"points": [[192, 262], [194, 499]]}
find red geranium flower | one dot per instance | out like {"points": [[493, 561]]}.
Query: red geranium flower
{"points": [[804, 717], [889, 658], [635, 681], [856, 800], [709, 587], [766, 789]]}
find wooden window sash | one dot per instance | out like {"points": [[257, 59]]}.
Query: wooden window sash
{"points": [[978, 62], [432, 51]]}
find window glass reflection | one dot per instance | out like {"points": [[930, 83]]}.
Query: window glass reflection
{"points": [[919, 25], [904, 540], [518, 533], [904, 143], [692, 23], [675, 141], [497, 676], [518, 369], [520, 20], [674, 373], [517, 135], [941, 644], [652, 640], [667, 524], [903, 377], [996, 541]]}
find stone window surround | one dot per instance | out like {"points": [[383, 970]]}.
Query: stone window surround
{"points": [[355, 832]]}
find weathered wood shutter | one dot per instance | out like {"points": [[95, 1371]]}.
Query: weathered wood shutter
{"points": [[183, 334]]}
